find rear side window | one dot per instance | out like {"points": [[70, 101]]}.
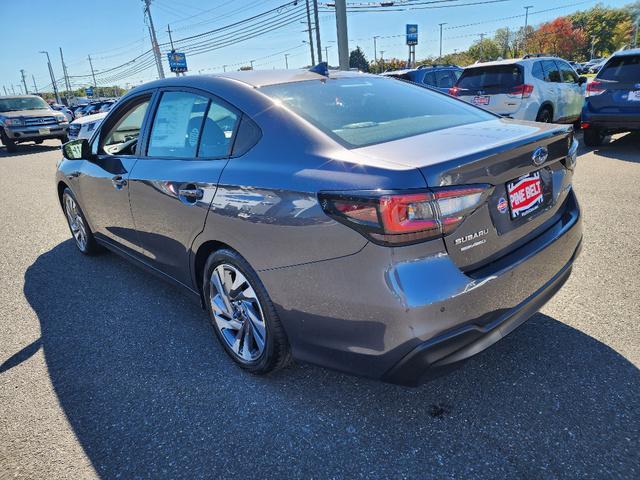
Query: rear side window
{"points": [[445, 79], [536, 71], [359, 111], [491, 79], [217, 131], [622, 69], [551, 72], [429, 79], [177, 125]]}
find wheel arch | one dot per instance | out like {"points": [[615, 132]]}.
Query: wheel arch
{"points": [[61, 188], [199, 259], [548, 105]]}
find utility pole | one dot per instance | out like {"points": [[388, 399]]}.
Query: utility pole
{"points": [[171, 42], [5, 91], [20, 87], [24, 82], [317, 24], [635, 36], [251, 62], [13, 89], [441, 24], [593, 46], [93, 74], [35, 87], [66, 75], [343, 37], [526, 24], [313, 57], [224, 68], [53, 78], [375, 48], [326, 54], [286, 61], [154, 39], [381, 61]]}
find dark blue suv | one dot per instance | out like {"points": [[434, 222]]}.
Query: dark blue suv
{"points": [[613, 98], [440, 77]]}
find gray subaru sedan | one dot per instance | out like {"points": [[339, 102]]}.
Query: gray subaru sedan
{"points": [[352, 221]]}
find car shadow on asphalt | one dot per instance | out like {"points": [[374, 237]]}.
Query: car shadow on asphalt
{"points": [[149, 393], [29, 149], [625, 148]]}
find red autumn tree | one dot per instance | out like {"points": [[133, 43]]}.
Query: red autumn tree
{"points": [[558, 37]]}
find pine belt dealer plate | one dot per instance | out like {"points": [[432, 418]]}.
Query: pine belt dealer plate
{"points": [[481, 100], [634, 96], [525, 195]]}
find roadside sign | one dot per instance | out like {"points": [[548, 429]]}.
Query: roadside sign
{"points": [[412, 34], [89, 91], [177, 62]]}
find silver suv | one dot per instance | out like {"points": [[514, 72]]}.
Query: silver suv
{"points": [[28, 118]]}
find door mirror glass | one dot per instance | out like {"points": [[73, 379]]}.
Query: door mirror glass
{"points": [[77, 150]]}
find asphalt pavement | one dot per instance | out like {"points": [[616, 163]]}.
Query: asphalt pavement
{"points": [[108, 372]]}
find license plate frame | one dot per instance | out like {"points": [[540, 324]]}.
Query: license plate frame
{"points": [[44, 131], [634, 96], [481, 100], [525, 195]]}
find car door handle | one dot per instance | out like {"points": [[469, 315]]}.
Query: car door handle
{"points": [[118, 182], [191, 193]]}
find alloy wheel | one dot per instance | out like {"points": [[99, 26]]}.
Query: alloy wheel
{"points": [[76, 223], [237, 312]]}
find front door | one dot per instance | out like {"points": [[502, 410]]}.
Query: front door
{"points": [[173, 183], [103, 184], [572, 96]]}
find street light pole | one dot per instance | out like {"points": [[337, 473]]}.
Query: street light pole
{"points": [[24, 82], [375, 48], [53, 78], [441, 24], [35, 87], [526, 24], [286, 61], [343, 36]]}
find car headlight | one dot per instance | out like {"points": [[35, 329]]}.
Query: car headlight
{"points": [[13, 122], [61, 119], [91, 126]]}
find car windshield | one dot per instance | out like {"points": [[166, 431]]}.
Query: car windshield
{"points": [[625, 68], [22, 103], [503, 77], [367, 110]]}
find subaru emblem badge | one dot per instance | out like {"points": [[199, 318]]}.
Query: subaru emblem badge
{"points": [[539, 155]]}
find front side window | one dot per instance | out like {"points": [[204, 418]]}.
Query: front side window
{"points": [[551, 72], [567, 74], [430, 79], [177, 125], [122, 137], [367, 110]]}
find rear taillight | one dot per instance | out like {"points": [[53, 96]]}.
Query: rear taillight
{"points": [[403, 218], [454, 91], [521, 91], [595, 88]]}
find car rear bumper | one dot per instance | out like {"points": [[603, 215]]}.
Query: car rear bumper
{"points": [[397, 315], [624, 122]]}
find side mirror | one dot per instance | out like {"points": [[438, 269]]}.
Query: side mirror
{"points": [[77, 150], [582, 80]]}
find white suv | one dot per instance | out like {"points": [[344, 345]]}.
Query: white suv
{"points": [[544, 89]]}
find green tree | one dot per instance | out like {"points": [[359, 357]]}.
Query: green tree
{"points": [[358, 60], [484, 50], [599, 24]]}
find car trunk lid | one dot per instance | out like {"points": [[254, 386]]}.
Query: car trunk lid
{"points": [[501, 155], [616, 89]]}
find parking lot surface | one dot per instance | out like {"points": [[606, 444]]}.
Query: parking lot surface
{"points": [[106, 371]]}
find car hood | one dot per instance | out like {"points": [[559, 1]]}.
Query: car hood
{"points": [[89, 118], [45, 112], [466, 141]]}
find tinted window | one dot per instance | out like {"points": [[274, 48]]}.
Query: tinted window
{"points": [[22, 103], [567, 74], [430, 79], [536, 71], [492, 79], [122, 137], [622, 69], [445, 79], [550, 70], [367, 110], [218, 131], [177, 125]]}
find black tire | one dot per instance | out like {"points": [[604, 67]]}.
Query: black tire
{"points": [[276, 353], [545, 115], [9, 144], [593, 137], [89, 246], [64, 139]]}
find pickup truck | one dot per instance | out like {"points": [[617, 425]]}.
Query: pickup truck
{"points": [[28, 118]]}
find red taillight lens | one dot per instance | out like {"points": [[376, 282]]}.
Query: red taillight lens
{"points": [[585, 125], [522, 91], [595, 88], [454, 91], [390, 218]]}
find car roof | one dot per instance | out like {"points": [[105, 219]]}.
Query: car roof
{"points": [[4, 97], [511, 61], [624, 53], [261, 78]]}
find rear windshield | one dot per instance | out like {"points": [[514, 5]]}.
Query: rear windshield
{"points": [[368, 110], [22, 103], [493, 79], [622, 69]]}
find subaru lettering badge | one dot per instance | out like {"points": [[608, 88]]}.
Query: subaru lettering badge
{"points": [[539, 155]]}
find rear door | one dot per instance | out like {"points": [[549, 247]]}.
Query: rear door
{"points": [[620, 85], [493, 87], [551, 88], [173, 184]]}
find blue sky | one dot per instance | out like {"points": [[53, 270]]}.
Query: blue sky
{"points": [[113, 32]]}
